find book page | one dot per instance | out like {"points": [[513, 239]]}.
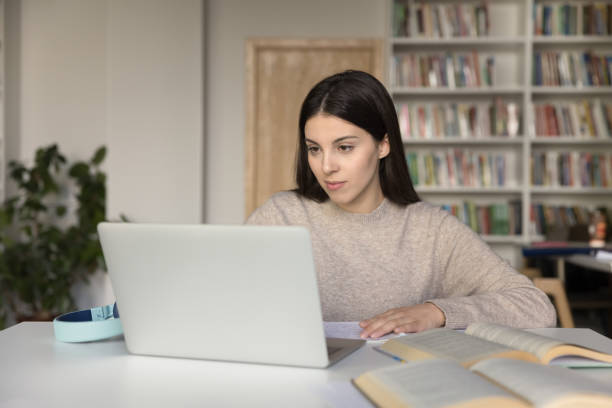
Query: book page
{"points": [[513, 338], [541, 384], [436, 383], [445, 343]]}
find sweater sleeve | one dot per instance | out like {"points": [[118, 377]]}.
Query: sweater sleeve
{"points": [[479, 286]]}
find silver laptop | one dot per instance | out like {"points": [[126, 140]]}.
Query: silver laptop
{"points": [[237, 293]]}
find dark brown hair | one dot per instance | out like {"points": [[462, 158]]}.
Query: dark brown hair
{"points": [[361, 99]]}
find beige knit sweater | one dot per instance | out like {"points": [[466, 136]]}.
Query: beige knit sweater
{"points": [[399, 256]]}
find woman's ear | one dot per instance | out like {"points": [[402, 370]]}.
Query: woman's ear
{"points": [[383, 147]]}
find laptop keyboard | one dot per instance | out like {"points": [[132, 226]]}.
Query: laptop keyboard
{"points": [[332, 350]]}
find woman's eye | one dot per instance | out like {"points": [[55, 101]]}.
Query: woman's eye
{"points": [[313, 149], [345, 148]]}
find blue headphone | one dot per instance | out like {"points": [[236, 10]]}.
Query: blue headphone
{"points": [[93, 324]]}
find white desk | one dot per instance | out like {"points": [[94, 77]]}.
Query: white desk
{"points": [[590, 262], [37, 371]]}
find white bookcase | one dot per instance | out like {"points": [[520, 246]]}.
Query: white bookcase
{"points": [[512, 42]]}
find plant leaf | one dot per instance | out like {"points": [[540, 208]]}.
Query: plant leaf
{"points": [[99, 155]]}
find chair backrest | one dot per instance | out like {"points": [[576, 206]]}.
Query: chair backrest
{"points": [[554, 287]]}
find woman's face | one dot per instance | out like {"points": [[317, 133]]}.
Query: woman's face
{"points": [[344, 158]]}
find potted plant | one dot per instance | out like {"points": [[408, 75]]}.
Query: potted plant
{"points": [[42, 252]]}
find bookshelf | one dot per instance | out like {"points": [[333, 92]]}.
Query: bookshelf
{"points": [[437, 42]]}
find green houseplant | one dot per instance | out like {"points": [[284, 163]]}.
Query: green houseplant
{"points": [[43, 253]]}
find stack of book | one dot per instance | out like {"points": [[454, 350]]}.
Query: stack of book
{"points": [[544, 216], [448, 70], [460, 167], [489, 219], [571, 169], [585, 119], [552, 68], [572, 19], [458, 120], [422, 19]]}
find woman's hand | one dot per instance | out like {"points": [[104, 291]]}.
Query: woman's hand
{"points": [[407, 319]]}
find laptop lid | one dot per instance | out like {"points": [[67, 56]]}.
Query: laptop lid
{"points": [[237, 293]]}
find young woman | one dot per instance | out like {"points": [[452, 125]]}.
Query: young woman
{"points": [[384, 257]]}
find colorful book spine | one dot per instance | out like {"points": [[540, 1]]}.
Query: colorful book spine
{"points": [[462, 168], [552, 68], [501, 218], [544, 217], [583, 119], [571, 169], [420, 121], [434, 20], [584, 18], [443, 70]]}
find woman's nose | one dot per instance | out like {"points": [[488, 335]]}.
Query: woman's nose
{"points": [[329, 164]]}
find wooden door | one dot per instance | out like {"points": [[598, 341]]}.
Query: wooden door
{"points": [[280, 72]]}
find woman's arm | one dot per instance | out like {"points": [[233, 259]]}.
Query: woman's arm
{"points": [[476, 286], [479, 286]]}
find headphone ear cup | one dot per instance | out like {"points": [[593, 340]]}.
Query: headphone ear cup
{"points": [[93, 324]]}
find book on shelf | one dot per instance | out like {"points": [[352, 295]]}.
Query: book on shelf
{"points": [[489, 219], [482, 341], [495, 382], [442, 69], [568, 68], [422, 19], [571, 169], [583, 119], [461, 167], [459, 120], [401, 18], [572, 19], [411, 158], [545, 217]]}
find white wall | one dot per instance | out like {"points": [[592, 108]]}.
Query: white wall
{"points": [[59, 93], [125, 73], [155, 110], [229, 24]]}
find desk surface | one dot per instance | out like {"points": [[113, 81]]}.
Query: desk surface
{"points": [[589, 261], [37, 371]]}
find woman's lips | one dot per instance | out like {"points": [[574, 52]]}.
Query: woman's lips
{"points": [[334, 185]]}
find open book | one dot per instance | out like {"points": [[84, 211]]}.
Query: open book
{"points": [[484, 340], [496, 382]]}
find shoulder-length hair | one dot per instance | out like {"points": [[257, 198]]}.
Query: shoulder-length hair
{"points": [[361, 99]]}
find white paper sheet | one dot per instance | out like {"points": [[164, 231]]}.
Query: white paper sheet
{"points": [[349, 330]]}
